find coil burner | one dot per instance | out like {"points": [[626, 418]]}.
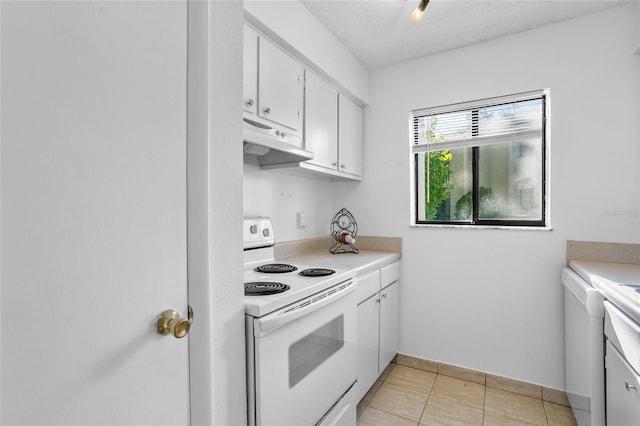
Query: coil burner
{"points": [[264, 288], [316, 272], [275, 268]]}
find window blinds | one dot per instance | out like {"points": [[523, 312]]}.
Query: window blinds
{"points": [[489, 121]]}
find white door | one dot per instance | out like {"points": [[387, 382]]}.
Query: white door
{"points": [[93, 223]]}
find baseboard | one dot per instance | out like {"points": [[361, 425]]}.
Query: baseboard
{"points": [[516, 386]]}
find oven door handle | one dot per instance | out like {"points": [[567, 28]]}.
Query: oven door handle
{"points": [[305, 307]]}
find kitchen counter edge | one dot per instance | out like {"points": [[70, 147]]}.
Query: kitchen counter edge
{"points": [[607, 277], [362, 263]]}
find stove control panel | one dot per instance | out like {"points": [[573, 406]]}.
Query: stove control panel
{"points": [[257, 232]]}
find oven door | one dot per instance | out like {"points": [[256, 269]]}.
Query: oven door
{"points": [[305, 357]]}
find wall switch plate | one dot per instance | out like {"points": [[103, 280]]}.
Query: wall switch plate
{"points": [[301, 219]]}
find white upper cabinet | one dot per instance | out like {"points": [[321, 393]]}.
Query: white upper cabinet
{"points": [[273, 86], [250, 75], [321, 121], [333, 130], [280, 86], [350, 137], [276, 94]]}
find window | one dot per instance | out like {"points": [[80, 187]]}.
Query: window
{"points": [[481, 163]]}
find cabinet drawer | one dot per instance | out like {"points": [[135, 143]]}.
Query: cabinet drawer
{"points": [[623, 333], [368, 285], [389, 274]]}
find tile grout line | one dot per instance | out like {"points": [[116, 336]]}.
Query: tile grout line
{"points": [[546, 416], [429, 395], [424, 408], [484, 404]]}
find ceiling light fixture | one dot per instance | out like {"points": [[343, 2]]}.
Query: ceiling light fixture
{"points": [[416, 15]]}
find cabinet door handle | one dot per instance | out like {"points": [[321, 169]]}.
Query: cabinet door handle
{"points": [[250, 102], [334, 164], [343, 166], [628, 386], [267, 110], [384, 296]]}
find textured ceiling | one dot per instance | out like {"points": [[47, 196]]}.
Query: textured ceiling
{"points": [[379, 32]]}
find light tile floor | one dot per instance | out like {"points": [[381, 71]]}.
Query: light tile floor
{"points": [[408, 396]]}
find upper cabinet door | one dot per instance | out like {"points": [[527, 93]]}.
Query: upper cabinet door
{"points": [[321, 121], [350, 137], [250, 70], [280, 85]]}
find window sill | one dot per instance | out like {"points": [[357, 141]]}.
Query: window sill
{"points": [[483, 227]]}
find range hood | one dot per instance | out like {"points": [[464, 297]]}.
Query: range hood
{"points": [[271, 145]]}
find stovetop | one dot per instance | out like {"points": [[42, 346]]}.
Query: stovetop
{"points": [[259, 242], [300, 286]]}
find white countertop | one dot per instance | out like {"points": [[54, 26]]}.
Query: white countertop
{"points": [[365, 261], [615, 281]]}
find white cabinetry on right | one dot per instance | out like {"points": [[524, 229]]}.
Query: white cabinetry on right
{"points": [[377, 297], [623, 384], [622, 365]]}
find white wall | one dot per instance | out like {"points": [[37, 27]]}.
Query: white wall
{"points": [[216, 344], [492, 300], [281, 196]]}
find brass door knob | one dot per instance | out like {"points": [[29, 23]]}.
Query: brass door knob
{"points": [[169, 321]]}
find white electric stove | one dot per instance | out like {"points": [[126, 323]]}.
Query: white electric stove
{"points": [[301, 327]]}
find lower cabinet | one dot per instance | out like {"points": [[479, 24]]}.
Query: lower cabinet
{"points": [[377, 325], [368, 332], [622, 366], [388, 325], [623, 390]]}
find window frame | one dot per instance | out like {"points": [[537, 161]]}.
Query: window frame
{"points": [[476, 222]]}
